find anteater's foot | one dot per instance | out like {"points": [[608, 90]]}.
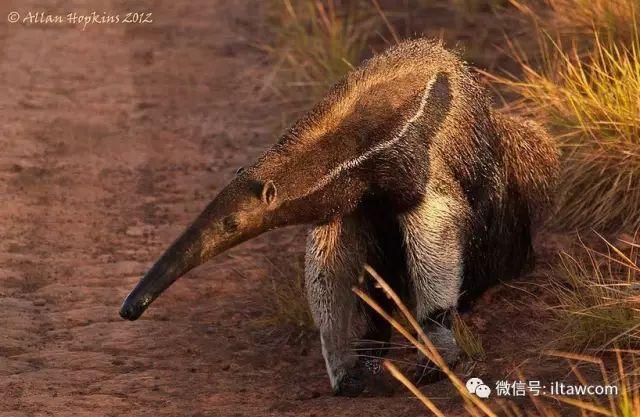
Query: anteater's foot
{"points": [[352, 383], [445, 343], [366, 374]]}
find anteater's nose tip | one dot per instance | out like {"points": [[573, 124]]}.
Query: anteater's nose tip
{"points": [[130, 311]]}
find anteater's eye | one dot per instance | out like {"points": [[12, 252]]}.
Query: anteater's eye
{"points": [[239, 170]]}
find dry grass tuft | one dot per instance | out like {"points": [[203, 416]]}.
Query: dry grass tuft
{"points": [[599, 297], [610, 18], [318, 41], [470, 343], [592, 102], [288, 308]]}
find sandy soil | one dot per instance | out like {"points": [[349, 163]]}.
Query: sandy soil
{"points": [[111, 141]]}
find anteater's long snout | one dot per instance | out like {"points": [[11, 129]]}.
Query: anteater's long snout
{"points": [[148, 289], [222, 225], [182, 256], [196, 246], [235, 215], [204, 239], [131, 310]]}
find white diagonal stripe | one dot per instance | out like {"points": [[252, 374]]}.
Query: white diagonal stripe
{"points": [[325, 180]]}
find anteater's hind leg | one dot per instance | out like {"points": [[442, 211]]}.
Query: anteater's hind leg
{"points": [[351, 337], [433, 234]]}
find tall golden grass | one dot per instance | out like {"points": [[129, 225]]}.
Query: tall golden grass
{"points": [[592, 103]]}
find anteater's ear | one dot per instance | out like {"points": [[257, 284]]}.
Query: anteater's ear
{"points": [[269, 192]]}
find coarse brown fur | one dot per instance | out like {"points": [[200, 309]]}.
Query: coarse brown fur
{"points": [[402, 165]]}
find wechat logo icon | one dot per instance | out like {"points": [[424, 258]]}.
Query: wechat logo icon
{"points": [[476, 386]]}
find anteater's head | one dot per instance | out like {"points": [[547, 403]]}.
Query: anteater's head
{"points": [[241, 211]]}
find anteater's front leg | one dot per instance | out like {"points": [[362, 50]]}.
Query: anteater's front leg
{"points": [[433, 234], [336, 253]]}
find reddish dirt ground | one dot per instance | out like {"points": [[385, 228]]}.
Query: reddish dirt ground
{"points": [[112, 140]]}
